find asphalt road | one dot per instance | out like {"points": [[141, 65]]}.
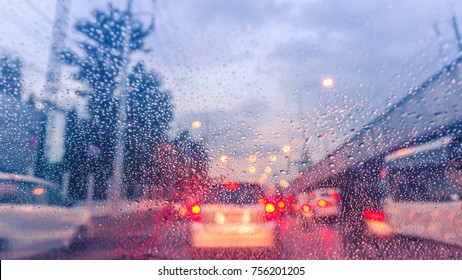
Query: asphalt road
{"points": [[150, 236]]}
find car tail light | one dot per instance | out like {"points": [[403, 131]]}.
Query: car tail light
{"points": [[335, 196], [290, 199], [38, 191], [232, 186], [374, 215], [271, 212], [324, 203], [293, 208], [195, 211], [306, 208], [182, 211], [281, 204], [269, 207]]}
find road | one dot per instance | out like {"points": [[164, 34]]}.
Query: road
{"points": [[150, 236]]}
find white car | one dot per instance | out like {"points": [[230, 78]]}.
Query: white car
{"points": [[420, 194], [34, 219], [234, 216], [320, 203]]}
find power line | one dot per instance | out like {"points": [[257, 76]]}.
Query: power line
{"points": [[39, 12], [20, 21], [457, 33]]}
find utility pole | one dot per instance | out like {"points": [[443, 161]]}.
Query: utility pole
{"points": [[58, 36], [53, 77], [122, 113]]}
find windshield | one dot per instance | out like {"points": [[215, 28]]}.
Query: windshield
{"points": [[340, 120]]}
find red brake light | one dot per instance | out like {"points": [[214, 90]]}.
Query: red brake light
{"points": [[271, 212], [335, 196], [195, 209], [324, 203], [306, 208], [232, 186], [374, 215], [269, 208], [293, 208], [290, 199]]}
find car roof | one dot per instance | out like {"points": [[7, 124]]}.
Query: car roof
{"points": [[26, 178]]}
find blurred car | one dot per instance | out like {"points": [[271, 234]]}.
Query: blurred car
{"points": [[420, 193], [232, 216], [34, 219], [321, 203]]}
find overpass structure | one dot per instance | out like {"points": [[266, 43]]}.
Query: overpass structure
{"points": [[430, 111]]}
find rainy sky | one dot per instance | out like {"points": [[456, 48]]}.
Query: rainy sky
{"points": [[251, 71]]}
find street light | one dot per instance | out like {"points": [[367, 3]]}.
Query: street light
{"points": [[284, 184], [196, 124], [287, 149], [224, 158], [328, 82], [273, 158]]}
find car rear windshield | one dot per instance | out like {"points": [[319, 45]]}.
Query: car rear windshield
{"points": [[240, 194]]}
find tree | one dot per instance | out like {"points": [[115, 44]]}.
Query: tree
{"points": [[166, 173], [149, 112], [77, 155], [179, 169], [11, 76], [195, 161], [99, 67]]}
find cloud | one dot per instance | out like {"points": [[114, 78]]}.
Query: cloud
{"points": [[260, 63], [281, 50]]}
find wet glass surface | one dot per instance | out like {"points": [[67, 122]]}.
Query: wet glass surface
{"points": [[230, 129]]}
